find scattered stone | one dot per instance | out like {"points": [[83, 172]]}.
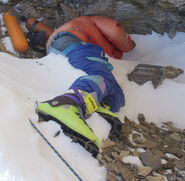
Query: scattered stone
{"points": [[176, 137], [152, 144], [120, 169], [107, 143], [124, 154], [158, 178], [176, 150], [172, 72], [157, 151], [138, 138], [171, 177], [141, 118], [144, 171], [145, 72], [108, 158], [135, 153], [151, 160], [180, 164], [68, 11], [164, 150], [111, 177]]}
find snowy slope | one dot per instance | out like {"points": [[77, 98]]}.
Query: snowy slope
{"points": [[25, 156], [166, 103]]}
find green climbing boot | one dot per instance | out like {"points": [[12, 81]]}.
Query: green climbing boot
{"points": [[70, 111], [112, 118]]}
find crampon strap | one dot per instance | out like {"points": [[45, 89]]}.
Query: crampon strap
{"points": [[86, 103]]}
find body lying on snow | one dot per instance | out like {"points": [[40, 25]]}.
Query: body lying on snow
{"points": [[98, 91]]}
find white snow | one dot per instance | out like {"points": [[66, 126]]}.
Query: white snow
{"points": [[24, 156], [132, 160], [172, 156], [4, 1], [163, 161], [166, 103], [140, 150], [7, 42]]}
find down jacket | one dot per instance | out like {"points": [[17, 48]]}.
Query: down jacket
{"points": [[99, 30]]}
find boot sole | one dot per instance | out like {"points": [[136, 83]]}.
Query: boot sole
{"points": [[76, 137], [116, 125]]}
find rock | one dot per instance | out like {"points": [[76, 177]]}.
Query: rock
{"points": [[111, 177], [157, 178], [171, 177], [120, 169], [108, 158], [144, 171], [69, 11], [176, 137], [115, 155], [151, 160], [145, 72], [151, 144], [161, 156], [124, 154], [141, 118], [172, 72], [182, 10], [172, 31], [137, 16], [158, 152], [107, 143], [176, 150], [138, 138], [135, 153], [180, 164]]}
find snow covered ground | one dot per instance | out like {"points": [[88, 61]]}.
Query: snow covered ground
{"points": [[5, 1], [24, 156]]}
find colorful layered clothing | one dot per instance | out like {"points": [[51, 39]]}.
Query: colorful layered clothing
{"points": [[91, 59]]}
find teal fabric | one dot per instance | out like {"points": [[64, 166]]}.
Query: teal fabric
{"points": [[95, 78], [71, 47], [100, 60]]}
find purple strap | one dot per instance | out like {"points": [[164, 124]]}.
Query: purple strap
{"points": [[78, 95], [73, 98]]}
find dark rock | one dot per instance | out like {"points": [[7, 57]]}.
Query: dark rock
{"points": [[151, 160], [171, 177], [144, 171], [176, 137], [160, 143], [145, 72], [137, 16], [180, 164], [141, 118], [120, 169], [182, 10], [155, 178], [175, 149]]}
